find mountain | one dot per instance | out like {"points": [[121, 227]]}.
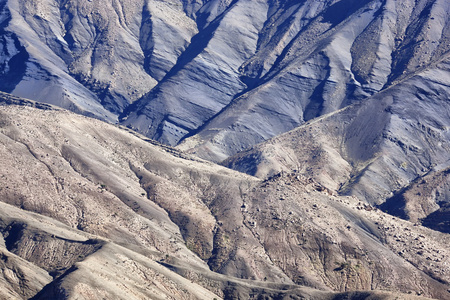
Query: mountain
{"points": [[218, 76], [380, 150], [252, 149], [341, 54], [88, 56], [92, 210]]}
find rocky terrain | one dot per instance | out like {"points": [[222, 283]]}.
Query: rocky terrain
{"points": [[386, 148], [218, 75], [329, 121], [332, 62], [91, 210]]}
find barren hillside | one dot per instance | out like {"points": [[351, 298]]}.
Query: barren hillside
{"points": [[84, 200], [236, 149], [219, 75]]}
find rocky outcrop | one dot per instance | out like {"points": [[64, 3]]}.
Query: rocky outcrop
{"points": [[426, 200], [19, 278], [53, 254]]}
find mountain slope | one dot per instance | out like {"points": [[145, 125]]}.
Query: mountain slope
{"points": [[91, 57], [331, 63], [374, 149], [349, 99], [219, 75], [111, 194]]}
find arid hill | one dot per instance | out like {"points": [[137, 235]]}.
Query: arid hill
{"points": [[92, 210], [236, 149], [220, 75]]}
